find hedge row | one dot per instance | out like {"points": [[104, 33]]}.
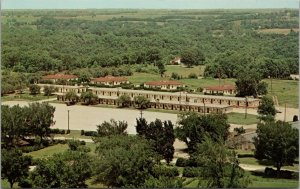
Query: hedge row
{"points": [[191, 172], [165, 171]]}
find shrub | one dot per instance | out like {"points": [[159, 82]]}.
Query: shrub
{"points": [[181, 162], [165, 171], [191, 172], [82, 142], [270, 172], [175, 76], [82, 132], [62, 132], [295, 118], [193, 76], [245, 155], [68, 131], [90, 133]]}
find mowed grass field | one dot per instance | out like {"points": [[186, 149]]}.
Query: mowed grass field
{"points": [[287, 92], [184, 71], [238, 118], [284, 31], [256, 182]]}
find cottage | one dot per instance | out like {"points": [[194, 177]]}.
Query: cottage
{"points": [[176, 61], [164, 85], [223, 89], [110, 80], [56, 77]]}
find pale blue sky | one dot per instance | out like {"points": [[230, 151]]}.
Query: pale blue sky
{"points": [[148, 4]]}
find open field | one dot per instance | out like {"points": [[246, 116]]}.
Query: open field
{"points": [[59, 148], [139, 78], [256, 182], [278, 30], [239, 118], [24, 97], [286, 92], [184, 71], [73, 134], [253, 161]]}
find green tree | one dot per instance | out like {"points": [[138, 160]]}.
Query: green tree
{"points": [[247, 83], [262, 88], [220, 165], [141, 102], [34, 89], [266, 107], [12, 124], [193, 128], [161, 134], [192, 57], [161, 68], [14, 166], [163, 182], [39, 119], [71, 96], [89, 98], [124, 100], [70, 169], [123, 161], [112, 128], [49, 90], [277, 142]]}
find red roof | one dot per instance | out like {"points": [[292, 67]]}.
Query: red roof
{"points": [[220, 88], [60, 76], [159, 83], [109, 78]]}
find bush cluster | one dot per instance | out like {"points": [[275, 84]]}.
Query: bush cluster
{"points": [[191, 172], [165, 171]]}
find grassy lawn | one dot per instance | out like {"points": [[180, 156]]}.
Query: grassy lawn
{"points": [[184, 71], [286, 92], [239, 118], [48, 151], [139, 78], [253, 161], [258, 181], [205, 82], [73, 134], [59, 148], [25, 97]]}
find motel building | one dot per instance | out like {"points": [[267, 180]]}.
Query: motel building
{"points": [[110, 80], [164, 85], [56, 77], [222, 89], [181, 101]]}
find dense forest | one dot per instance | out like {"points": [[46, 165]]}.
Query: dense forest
{"points": [[65, 40]]}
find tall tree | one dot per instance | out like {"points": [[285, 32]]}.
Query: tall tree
{"points": [[141, 102], [220, 165], [161, 68], [89, 98], [69, 169], [277, 142], [266, 107], [124, 100], [12, 124], [39, 119], [193, 128], [112, 128], [161, 134], [192, 57], [14, 166], [247, 83], [34, 89], [123, 161]]}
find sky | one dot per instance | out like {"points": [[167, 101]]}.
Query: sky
{"points": [[147, 4]]}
